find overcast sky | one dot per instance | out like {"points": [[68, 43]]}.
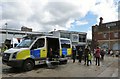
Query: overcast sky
{"points": [[47, 15]]}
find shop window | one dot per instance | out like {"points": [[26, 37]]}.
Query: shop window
{"points": [[115, 35], [105, 35]]}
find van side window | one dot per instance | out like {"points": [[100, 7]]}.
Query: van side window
{"points": [[39, 43], [65, 43]]}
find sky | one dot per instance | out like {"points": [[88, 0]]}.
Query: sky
{"points": [[47, 15]]}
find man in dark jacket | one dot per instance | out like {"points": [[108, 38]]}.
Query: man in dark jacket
{"points": [[102, 53], [73, 53], [86, 52], [80, 53]]}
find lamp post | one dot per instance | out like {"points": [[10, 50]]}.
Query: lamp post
{"points": [[109, 36], [6, 30], [54, 32]]}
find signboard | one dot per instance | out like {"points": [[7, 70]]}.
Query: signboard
{"points": [[75, 38]]}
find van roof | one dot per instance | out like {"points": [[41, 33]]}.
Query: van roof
{"points": [[64, 39], [47, 36], [34, 36]]}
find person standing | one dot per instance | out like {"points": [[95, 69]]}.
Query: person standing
{"points": [[89, 58], [111, 52], [50, 54], [97, 55], [86, 55], [102, 53], [73, 53], [80, 53]]}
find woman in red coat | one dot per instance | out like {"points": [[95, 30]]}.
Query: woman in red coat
{"points": [[97, 55]]}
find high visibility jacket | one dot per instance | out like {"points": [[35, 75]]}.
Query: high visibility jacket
{"points": [[89, 57]]}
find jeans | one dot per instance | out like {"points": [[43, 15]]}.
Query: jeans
{"points": [[86, 60], [98, 61]]}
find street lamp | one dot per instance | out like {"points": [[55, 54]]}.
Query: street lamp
{"points": [[54, 32], [109, 36], [6, 30]]}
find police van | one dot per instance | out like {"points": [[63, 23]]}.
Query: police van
{"points": [[34, 50]]}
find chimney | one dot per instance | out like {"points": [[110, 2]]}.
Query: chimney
{"points": [[100, 21]]}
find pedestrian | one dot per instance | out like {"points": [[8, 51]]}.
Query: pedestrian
{"points": [[89, 58], [50, 54], [94, 54], [97, 55], [102, 53], [86, 55], [73, 53], [80, 54], [111, 52], [4, 48]]}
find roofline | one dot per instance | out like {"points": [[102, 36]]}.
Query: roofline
{"points": [[106, 23], [19, 31], [70, 31], [46, 37], [111, 22]]}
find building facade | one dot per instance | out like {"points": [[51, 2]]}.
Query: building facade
{"points": [[23, 28], [77, 38], [10, 34], [106, 35]]}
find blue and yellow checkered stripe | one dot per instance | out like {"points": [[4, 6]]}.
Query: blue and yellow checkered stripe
{"points": [[32, 54], [66, 51]]}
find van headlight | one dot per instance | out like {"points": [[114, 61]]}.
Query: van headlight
{"points": [[14, 55]]}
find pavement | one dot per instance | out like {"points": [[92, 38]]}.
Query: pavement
{"points": [[108, 68]]}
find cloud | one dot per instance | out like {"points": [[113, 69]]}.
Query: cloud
{"points": [[44, 15], [119, 10], [48, 15], [79, 23], [89, 34], [106, 9]]}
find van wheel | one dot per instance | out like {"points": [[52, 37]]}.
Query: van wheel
{"points": [[28, 65]]}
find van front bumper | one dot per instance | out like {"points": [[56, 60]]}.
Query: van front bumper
{"points": [[13, 63]]}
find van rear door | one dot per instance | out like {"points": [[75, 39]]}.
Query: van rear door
{"points": [[54, 44]]}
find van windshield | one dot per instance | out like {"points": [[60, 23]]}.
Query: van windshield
{"points": [[25, 43]]}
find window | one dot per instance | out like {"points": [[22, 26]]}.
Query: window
{"points": [[116, 46], [82, 38], [115, 35], [65, 35], [65, 43], [39, 43], [25, 43], [105, 35]]}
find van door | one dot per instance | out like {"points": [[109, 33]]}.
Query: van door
{"points": [[38, 50], [66, 47], [54, 44]]}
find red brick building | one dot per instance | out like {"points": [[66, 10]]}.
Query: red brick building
{"points": [[106, 35]]}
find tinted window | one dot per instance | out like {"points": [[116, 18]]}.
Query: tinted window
{"points": [[39, 43], [65, 43]]}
